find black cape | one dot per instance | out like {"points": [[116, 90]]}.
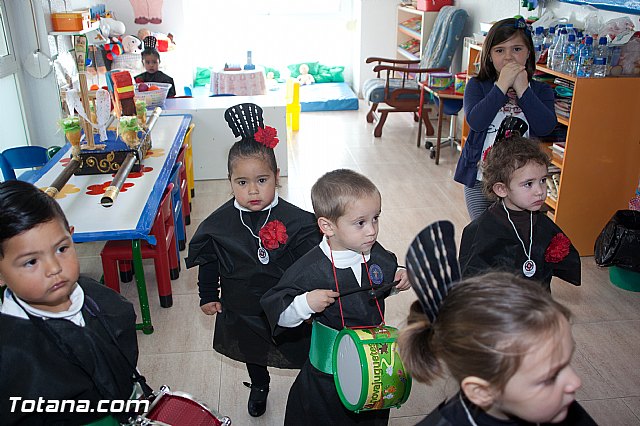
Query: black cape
{"points": [[32, 365], [451, 413], [489, 242], [226, 254], [313, 399], [158, 77]]}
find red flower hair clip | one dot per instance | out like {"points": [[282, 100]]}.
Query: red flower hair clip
{"points": [[486, 152], [558, 249], [267, 136], [273, 234]]}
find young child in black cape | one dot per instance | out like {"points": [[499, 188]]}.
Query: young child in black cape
{"points": [[513, 234], [64, 336], [347, 206], [509, 346], [151, 62], [243, 248]]}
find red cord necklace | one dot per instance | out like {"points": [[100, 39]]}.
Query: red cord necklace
{"points": [[335, 278]]}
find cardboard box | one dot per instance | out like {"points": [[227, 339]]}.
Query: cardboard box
{"points": [[433, 5], [71, 21]]}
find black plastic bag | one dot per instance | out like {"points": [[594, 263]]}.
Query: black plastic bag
{"points": [[619, 242]]}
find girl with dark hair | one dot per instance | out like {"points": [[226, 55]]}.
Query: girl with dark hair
{"points": [[243, 248], [503, 89], [508, 345]]}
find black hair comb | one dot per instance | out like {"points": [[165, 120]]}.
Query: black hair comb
{"points": [[433, 266], [244, 119], [150, 42]]}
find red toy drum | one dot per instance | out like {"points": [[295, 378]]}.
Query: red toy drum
{"points": [[179, 409], [433, 5]]}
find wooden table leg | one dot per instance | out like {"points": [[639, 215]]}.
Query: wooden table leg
{"points": [[440, 113], [141, 283], [420, 114]]}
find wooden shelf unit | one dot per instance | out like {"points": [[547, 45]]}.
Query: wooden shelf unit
{"points": [[403, 33], [600, 168]]}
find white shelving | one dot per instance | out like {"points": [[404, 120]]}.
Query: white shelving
{"points": [[413, 26]]}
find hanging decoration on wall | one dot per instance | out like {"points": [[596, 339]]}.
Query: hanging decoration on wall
{"points": [[37, 64], [147, 11]]}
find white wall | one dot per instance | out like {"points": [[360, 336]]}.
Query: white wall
{"points": [[40, 96], [378, 24], [374, 26]]}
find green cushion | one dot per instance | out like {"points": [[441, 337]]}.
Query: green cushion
{"points": [[336, 74], [203, 75]]}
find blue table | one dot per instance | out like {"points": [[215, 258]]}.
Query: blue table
{"points": [[132, 215]]}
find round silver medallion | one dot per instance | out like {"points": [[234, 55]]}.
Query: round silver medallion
{"points": [[263, 256], [529, 268]]}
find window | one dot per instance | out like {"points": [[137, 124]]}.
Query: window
{"points": [[13, 125], [278, 32]]}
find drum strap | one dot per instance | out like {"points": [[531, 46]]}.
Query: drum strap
{"points": [[321, 350]]}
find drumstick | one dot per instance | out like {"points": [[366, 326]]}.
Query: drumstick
{"points": [[372, 291]]}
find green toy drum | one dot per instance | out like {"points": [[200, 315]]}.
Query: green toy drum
{"points": [[367, 369]]}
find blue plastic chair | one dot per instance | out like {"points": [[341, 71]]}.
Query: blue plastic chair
{"points": [[22, 157], [176, 199], [5, 170]]}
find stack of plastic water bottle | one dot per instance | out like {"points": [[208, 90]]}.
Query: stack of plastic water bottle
{"points": [[571, 53]]}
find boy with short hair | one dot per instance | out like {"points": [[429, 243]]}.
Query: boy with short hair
{"points": [[347, 206], [64, 337]]}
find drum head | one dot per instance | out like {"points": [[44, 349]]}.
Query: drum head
{"points": [[349, 370], [367, 369], [182, 411]]}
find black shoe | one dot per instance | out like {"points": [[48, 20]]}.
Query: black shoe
{"points": [[257, 404]]}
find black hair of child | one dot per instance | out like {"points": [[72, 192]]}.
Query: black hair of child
{"points": [[23, 207], [500, 32], [150, 51], [505, 157], [250, 148]]}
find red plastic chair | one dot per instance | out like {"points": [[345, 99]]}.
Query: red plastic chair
{"points": [[184, 186], [164, 253]]}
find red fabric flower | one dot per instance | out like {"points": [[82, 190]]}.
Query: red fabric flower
{"points": [[273, 234], [485, 153], [558, 249], [267, 136]]}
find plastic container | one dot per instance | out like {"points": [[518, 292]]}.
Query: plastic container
{"points": [[440, 80], [569, 59], [460, 83], [71, 21], [558, 51], [625, 279], [433, 5], [600, 56], [585, 58], [538, 42], [153, 98]]}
